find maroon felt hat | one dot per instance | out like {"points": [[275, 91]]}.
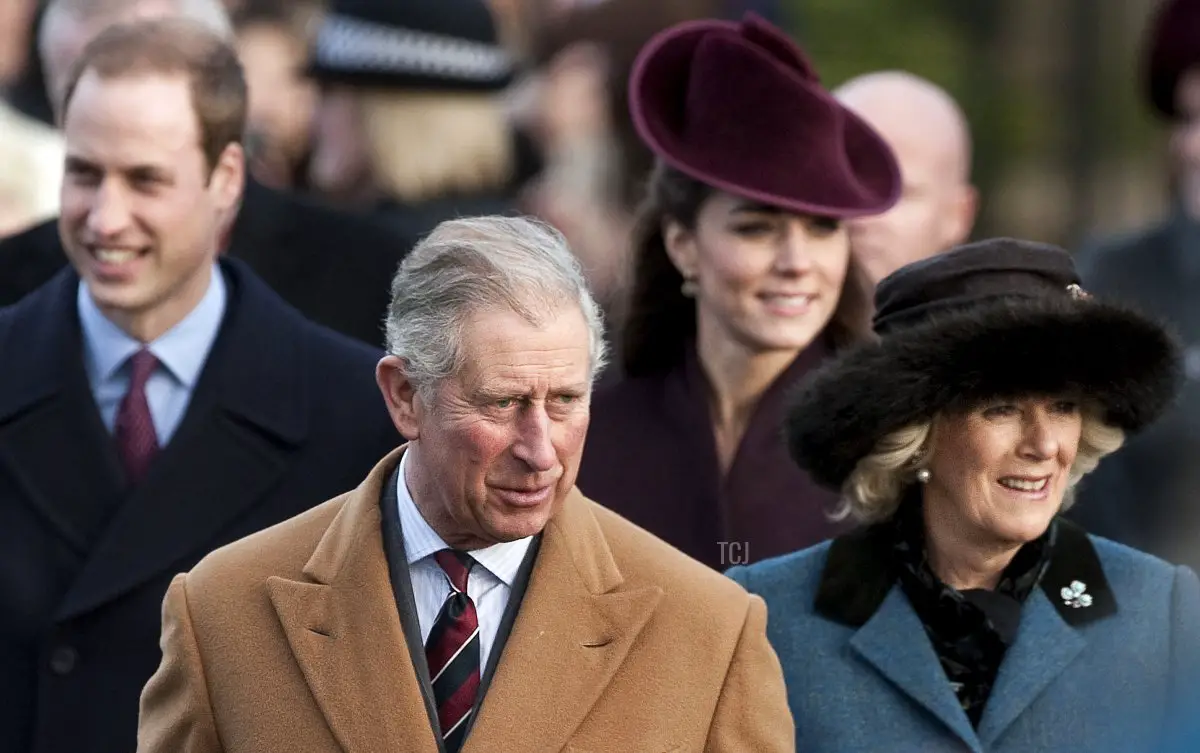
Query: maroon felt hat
{"points": [[1173, 47], [738, 107]]}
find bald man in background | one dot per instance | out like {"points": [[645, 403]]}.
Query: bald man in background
{"points": [[929, 134]]}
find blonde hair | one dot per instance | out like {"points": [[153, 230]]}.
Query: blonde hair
{"points": [[429, 144], [874, 489]]}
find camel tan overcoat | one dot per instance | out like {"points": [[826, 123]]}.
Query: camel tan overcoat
{"points": [[290, 640]]}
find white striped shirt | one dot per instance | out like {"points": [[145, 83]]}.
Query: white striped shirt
{"points": [[488, 586]]}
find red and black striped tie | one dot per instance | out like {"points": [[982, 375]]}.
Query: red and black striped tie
{"points": [[452, 652]]}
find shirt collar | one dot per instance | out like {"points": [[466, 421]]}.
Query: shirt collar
{"points": [[183, 349], [420, 540]]}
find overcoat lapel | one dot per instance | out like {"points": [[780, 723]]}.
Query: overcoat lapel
{"points": [[402, 593], [1045, 647], [893, 640], [859, 589], [248, 414], [52, 440], [520, 585], [575, 626], [1050, 637], [344, 630]]}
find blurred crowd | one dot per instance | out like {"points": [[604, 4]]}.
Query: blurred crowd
{"points": [[522, 107], [370, 122]]}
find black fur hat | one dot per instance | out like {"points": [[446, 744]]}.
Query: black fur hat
{"points": [[998, 318]]}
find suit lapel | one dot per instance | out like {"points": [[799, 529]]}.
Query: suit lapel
{"points": [[345, 632], [247, 415], [894, 642], [52, 440], [576, 624]]}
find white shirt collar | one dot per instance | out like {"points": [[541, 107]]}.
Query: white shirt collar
{"points": [[182, 350], [420, 540]]}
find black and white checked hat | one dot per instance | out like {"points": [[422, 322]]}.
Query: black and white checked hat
{"points": [[411, 44]]}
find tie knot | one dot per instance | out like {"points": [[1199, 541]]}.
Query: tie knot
{"points": [[457, 566], [141, 365]]}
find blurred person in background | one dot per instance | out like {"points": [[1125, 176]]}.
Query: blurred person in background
{"points": [[741, 253], [1148, 495], [31, 154], [160, 401], [30, 150], [69, 25], [26, 93], [595, 164], [16, 26], [272, 42], [929, 135], [333, 266], [411, 124]]}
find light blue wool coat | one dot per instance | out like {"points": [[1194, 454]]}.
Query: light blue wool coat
{"points": [[862, 674]]}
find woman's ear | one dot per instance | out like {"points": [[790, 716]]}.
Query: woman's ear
{"points": [[680, 244]]}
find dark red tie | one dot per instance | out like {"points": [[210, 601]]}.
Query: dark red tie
{"points": [[136, 441], [452, 652]]}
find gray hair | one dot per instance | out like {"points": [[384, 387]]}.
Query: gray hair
{"points": [[472, 264], [874, 489]]}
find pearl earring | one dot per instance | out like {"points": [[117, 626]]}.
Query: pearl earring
{"points": [[689, 287], [923, 475]]}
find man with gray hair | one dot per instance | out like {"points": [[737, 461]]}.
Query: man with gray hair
{"points": [[466, 593]]}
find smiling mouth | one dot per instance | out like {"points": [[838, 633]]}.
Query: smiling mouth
{"points": [[788, 304], [794, 298], [1025, 484], [115, 256]]}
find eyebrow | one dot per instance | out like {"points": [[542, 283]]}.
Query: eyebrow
{"points": [[77, 163], [492, 393]]}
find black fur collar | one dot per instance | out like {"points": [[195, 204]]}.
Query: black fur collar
{"points": [[860, 571]]}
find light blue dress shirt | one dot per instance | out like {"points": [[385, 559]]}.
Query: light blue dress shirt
{"points": [[181, 352], [488, 585]]}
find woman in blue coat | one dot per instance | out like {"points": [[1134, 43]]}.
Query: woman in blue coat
{"points": [[964, 613]]}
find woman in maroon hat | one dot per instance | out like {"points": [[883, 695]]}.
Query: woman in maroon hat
{"points": [[740, 264]]}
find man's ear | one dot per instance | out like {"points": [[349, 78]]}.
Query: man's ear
{"points": [[228, 178], [400, 395]]}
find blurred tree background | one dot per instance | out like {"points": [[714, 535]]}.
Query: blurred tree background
{"points": [[1065, 148]]}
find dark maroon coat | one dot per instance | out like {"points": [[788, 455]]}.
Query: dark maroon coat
{"points": [[651, 457]]}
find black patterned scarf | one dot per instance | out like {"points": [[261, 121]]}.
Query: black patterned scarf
{"points": [[970, 630]]}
